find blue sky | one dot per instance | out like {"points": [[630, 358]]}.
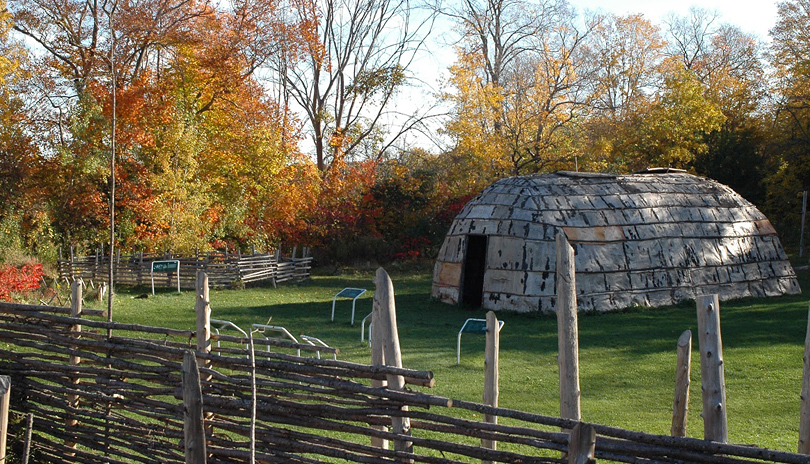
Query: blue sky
{"points": [[752, 16]]}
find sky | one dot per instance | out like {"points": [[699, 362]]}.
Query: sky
{"points": [[752, 16], [756, 17]]}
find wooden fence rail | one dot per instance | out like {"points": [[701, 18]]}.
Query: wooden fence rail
{"points": [[127, 404], [223, 269]]}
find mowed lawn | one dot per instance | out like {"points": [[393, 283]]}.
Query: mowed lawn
{"points": [[627, 359]]}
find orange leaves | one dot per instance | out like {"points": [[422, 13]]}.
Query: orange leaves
{"points": [[306, 41]]}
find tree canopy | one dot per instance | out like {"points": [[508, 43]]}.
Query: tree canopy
{"points": [[284, 122]]}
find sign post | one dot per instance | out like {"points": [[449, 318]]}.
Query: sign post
{"points": [[165, 266], [472, 326]]}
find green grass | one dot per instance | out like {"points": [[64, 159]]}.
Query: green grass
{"points": [[627, 360]]}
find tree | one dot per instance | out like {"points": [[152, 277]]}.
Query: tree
{"points": [[727, 62], [344, 77], [195, 126], [627, 54], [518, 84], [476, 124], [24, 220], [674, 131], [790, 59], [724, 58]]}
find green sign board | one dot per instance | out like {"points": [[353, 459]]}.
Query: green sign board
{"points": [[165, 266], [351, 292], [475, 326]]}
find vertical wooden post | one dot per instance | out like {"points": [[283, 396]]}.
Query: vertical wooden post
{"points": [[5, 398], [567, 328], [140, 267], [582, 444], [804, 214], [29, 427], [804, 420], [680, 407], [74, 360], [377, 337], [203, 310], [193, 429], [491, 354], [712, 376], [384, 294]]}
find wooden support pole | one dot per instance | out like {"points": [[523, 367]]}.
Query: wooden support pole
{"points": [[491, 354], [377, 337], [712, 376], [29, 427], [582, 444], [194, 427], [567, 328], [5, 400], [384, 296], [74, 360], [203, 310], [680, 407], [804, 420]]}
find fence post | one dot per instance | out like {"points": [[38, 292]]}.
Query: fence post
{"points": [[712, 377], [377, 337], [804, 421], [203, 310], [568, 336], [491, 355], [582, 444], [5, 396], [193, 424], [75, 360], [72, 263], [680, 407], [384, 296], [29, 427]]}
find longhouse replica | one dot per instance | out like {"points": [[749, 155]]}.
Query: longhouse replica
{"points": [[648, 239]]}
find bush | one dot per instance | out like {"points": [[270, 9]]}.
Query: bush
{"points": [[17, 282]]}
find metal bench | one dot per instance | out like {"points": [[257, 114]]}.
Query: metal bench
{"points": [[348, 292]]}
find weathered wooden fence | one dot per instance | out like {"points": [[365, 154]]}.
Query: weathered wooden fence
{"points": [[223, 269], [100, 398]]}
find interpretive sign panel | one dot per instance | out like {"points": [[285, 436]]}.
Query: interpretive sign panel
{"points": [[165, 266]]}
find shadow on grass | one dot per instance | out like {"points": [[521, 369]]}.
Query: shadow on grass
{"points": [[427, 325]]}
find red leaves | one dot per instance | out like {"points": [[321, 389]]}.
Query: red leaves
{"points": [[14, 281]]}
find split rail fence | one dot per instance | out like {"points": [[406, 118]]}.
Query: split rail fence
{"points": [[103, 392], [223, 269]]}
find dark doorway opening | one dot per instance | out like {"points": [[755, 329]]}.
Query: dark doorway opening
{"points": [[472, 291]]}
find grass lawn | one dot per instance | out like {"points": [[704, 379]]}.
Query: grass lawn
{"points": [[627, 360]]}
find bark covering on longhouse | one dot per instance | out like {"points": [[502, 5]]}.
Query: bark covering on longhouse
{"points": [[648, 239]]}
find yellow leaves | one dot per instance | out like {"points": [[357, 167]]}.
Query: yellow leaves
{"points": [[675, 129], [498, 129], [11, 54], [477, 111]]}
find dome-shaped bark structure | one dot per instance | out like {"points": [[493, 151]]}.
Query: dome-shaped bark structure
{"points": [[648, 239]]}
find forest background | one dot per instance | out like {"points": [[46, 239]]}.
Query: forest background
{"points": [[292, 122]]}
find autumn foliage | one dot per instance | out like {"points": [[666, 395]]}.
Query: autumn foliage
{"points": [[267, 123], [19, 281]]}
